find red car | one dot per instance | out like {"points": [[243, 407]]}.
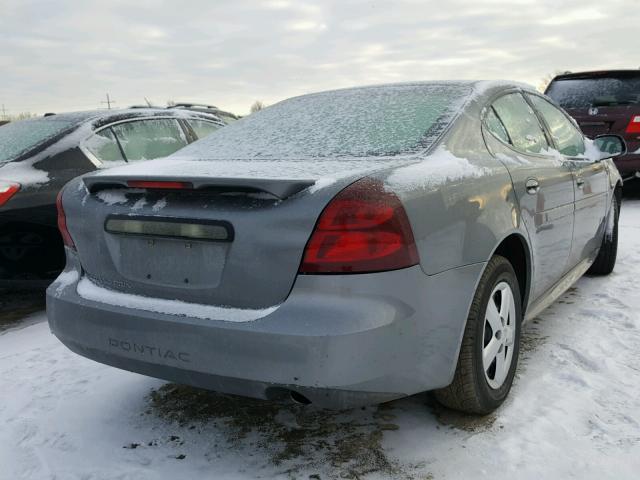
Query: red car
{"points": [[604, 103]]}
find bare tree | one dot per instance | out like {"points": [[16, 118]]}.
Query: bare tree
{"points": [[8, 117], [257, 106], [19, 116], [546, 80], [171, 103]]}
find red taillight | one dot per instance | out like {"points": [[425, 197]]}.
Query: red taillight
{"points": [[363, 229], [7, 190], [634, 125], [159, 185], [62, 223]]}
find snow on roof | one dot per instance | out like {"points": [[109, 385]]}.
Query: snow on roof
{"points": [[100, 116], [377, 120]]}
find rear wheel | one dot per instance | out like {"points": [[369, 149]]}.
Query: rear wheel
{"points": [[606, 259], [491, 343]]}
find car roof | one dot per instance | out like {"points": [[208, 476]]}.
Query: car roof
{"points": [[470, 83], [477, 88], [102, 117], [597, 74], [193, 107]]}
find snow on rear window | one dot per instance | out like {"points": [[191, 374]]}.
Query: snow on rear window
{"points": [[596, 92], [18, 137], [371, 121]]}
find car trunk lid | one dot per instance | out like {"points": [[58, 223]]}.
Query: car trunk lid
{"points": [[227, 235]]}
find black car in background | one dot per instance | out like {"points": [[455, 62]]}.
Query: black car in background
{"points": [[604, 103], [226, 117], [38, 156]]}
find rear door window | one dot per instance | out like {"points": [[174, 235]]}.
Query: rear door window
{"points": [[149, 139], [496, 127], [566, 136], [104, 146], [203, 128], [521, 123]]}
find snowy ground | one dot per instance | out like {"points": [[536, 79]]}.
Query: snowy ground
{"points": [[574, 411]]}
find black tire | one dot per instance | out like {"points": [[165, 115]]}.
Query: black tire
{"points": [[470, 391], [606, 259]]}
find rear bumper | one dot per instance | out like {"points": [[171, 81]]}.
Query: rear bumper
{"points": [[340, 341]]}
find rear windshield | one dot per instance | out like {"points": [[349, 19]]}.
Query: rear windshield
{"points": [[18, 137], [374, 121], [596, 92]]}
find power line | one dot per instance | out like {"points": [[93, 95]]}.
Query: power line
{"points": [[108, 102]]}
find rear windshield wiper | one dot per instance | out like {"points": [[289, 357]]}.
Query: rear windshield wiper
{"points": [[614, 103]]}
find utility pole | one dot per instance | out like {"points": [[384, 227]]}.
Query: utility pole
{"points": [[4, 112], [109, 102]]}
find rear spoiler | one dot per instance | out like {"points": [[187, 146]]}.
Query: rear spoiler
{"points": [[280, 188]]}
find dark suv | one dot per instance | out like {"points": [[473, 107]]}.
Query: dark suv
{"points": [[604, 102]]}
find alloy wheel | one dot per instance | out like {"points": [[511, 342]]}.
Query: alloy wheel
{"points": [[499, 335]]}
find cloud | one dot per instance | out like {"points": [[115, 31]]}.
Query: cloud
{"points": [[307, 26], [576, 16], [68, 55]]}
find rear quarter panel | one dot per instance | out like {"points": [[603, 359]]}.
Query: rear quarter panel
{"points": [[459, 199]]}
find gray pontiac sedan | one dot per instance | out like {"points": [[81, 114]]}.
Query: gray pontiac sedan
{"points": [[342, 248]]}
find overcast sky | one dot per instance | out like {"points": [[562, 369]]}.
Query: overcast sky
{"points": [[66, 55]]}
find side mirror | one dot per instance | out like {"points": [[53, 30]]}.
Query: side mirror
{"points": [[610, 146]]}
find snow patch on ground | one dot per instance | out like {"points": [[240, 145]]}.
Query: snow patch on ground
{"points": [[574, 411], [90, 291]]}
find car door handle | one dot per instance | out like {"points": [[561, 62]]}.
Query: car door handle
{"points": [[532, 185], [580, 182]]}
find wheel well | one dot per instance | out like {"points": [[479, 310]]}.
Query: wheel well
{"points": [[618, 193], [514, 249], [29, 250]]}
